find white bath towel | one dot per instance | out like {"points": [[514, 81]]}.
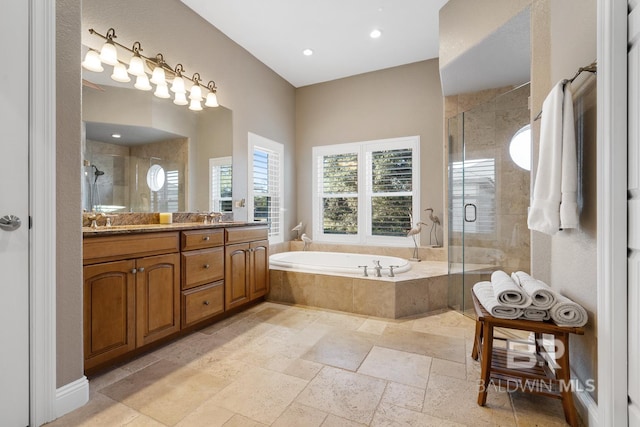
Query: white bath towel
{"points": [[507, 292], [568, 313], [556, 176], [484, 293], [533, 313], [542, 296]]}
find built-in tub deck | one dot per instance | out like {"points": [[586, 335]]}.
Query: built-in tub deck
{"points": [[422, 289]]}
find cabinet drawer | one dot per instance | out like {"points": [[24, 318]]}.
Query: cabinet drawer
{"points": [[198, 304], [112, 248], [203, 266], [246, 234], [200, 239]]}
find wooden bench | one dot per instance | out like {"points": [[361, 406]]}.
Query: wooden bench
{"points": [[535, 371]]}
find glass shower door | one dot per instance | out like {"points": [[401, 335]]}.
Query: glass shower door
{"points": [[488, 195]]}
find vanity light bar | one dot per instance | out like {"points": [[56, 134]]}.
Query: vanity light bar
{"points": [[161, 73]]}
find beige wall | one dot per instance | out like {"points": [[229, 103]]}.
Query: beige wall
{"points": [[457, 36], [261, 101], [68, 197], [564, 39], [399, 101]]}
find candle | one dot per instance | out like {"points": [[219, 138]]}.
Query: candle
{"points": [[166, 218]]}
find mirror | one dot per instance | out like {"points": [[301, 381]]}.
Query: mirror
{"points": [[146, 154]]}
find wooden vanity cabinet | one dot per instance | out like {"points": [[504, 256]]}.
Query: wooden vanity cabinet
{"points": [[130, 302], [246, 265], [202, 275]]}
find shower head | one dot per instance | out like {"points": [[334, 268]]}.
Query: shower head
{"points": [[97, 172]]}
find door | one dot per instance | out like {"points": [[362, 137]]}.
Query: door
{"points": [[259, 268], [14, 197], [236, 276], [633, 263], [157, 297], [109, 311]]}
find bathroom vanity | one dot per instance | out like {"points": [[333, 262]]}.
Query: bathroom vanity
{"points": [[148, 283]]}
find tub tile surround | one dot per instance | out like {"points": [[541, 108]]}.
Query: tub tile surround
{"points": [[327, 369], [422, 289]]}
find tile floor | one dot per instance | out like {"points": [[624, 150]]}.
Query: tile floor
{"points": [[280, 365]]}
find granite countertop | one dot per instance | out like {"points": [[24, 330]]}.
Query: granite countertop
{"points": [[152, 228]]}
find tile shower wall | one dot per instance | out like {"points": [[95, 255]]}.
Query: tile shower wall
{"points": [[491, 119]]}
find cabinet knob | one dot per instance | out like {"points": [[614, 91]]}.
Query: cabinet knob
{"points": [[205, 237], [141, 269], [134, 271], [206, 302], [206, 266]]}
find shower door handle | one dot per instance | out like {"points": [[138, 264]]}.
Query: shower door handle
{"points": [[467, 210]]}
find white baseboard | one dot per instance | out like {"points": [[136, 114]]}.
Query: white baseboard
{"points": [[586, 407], [72, 396]]}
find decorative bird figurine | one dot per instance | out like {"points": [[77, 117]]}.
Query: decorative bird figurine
{"points": [[413, 233], [307, 241], [434, 222], [297, 229]]}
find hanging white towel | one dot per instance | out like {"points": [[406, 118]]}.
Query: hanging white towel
{"points": [[556, 176]]}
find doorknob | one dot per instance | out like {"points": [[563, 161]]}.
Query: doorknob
{"points": [[10, 223]]}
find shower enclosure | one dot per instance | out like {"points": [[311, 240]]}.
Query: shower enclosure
{"points": [[488, 191]]}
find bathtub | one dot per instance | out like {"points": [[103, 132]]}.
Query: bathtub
{"points": [[337, 262]]}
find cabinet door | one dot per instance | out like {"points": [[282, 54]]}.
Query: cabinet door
{"points": [[109, 311], [236, 276], [157, 297], [259, 279]]}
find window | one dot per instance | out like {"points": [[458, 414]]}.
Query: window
{"points": [[473, 193], [220, 171], [365, 192], [266, 184]]}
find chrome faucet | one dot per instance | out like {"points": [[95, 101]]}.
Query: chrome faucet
{"points": [[377, 267], [391, 267], [365, 270], [215, 217]]}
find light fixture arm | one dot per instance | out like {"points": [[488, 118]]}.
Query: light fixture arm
{"points": [[158, 61]]}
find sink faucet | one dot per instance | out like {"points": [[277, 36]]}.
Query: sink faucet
{"points": [[94, 219], [215, 217], [377, 267]]}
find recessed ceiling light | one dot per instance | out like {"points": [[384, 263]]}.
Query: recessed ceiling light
{"points": [[375, 34], [307, 52], [116, 135]]}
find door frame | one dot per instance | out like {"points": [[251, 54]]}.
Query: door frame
{"points": [[612, 212], [42, 207]]}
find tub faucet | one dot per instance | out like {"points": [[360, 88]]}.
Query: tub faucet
{"points": [[377, 268], [365, 270], [391, 267]]}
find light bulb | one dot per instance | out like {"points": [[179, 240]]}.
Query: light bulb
{"points": [[92, 61], [108, 53], [180, 99], [136, 66], [196, 92], [178, 85], [162, 91], [212, 100], [120, 73], [158, 76], [195, 105], [142, 82]]}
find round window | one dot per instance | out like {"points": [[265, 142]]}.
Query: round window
{"points": [[520, 147], [155, 177]]}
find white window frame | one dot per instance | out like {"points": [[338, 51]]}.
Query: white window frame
{"points": [[364, 195], [265, 144], [215, 199]]}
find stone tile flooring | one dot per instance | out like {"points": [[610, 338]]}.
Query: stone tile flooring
{"points": [[280, 365]]}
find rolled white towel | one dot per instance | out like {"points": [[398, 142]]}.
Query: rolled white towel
{"points": [[484, 293], [533, 313], [542, 296], [507, 292], [568, 313]]}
